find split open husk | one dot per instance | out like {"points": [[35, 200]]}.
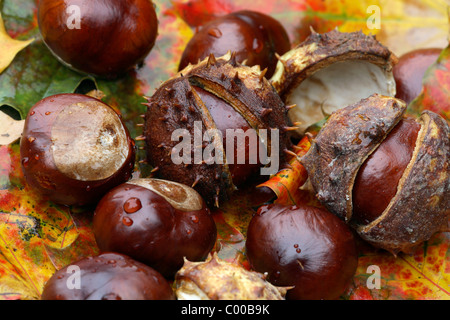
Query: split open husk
{"points": [[329, 71], [421, 206]]}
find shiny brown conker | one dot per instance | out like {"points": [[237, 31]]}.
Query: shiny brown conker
{"points": [[108, 276], [302, 246], [253, 36], [75, 148], [102, 38], [226, 118], [410, 70], [377, 180], [157, 222]]}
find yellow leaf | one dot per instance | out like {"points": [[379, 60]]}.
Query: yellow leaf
{"points": [[401, 25], [10, 129], [10, 47], [29, 266]]}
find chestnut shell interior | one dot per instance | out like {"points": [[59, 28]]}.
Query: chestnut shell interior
{"points": [[340, 84]]}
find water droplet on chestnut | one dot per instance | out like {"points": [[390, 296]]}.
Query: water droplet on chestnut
{"points": [[132, 205], [216, 33], [127, 221]]}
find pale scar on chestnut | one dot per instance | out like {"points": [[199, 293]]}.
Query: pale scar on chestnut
{"points": [[99, 147], [180, 196]]}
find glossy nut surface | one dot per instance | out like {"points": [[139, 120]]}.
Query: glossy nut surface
{"points": [[410, 70], [75, 148], [108, 276], [227, 119], [155, 221], [104, 38], [377, 180], [254, 36], [305, 247]]}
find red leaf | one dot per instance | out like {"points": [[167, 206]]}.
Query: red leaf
{"points": [[435, 94]]}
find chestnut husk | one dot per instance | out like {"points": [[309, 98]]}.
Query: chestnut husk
{"points": [[176, 104], [370, 61], [420, 207], [217, 279]]}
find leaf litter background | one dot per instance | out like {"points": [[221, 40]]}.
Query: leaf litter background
{"points": [[38, 237]]}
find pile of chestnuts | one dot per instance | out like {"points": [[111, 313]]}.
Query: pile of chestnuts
{"points": [[378, 173]]}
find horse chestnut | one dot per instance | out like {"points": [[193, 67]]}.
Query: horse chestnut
{"points": [[255, 37], [385, 175], [103, 38], [410, 70], [157, 222], [189, 113], [108, 276], [302, 246], [75, 148]]}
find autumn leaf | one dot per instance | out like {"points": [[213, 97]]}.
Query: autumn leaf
{"points": [[401, 25], [37, 237], [423, 275], [10, 47], [286, 182], [10, 129], [435, 95], [230, 241]]}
